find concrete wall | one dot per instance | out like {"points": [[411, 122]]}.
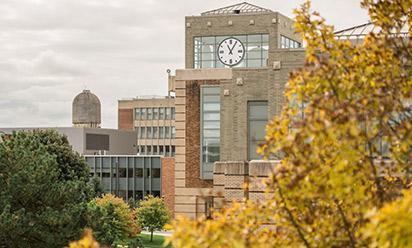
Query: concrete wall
{"points": [[121, 142]]}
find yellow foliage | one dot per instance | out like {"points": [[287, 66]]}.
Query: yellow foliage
{"points": [[87, 241], [391, 226], [332, 173]]}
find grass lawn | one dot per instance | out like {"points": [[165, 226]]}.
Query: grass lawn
{"points": [[157, 241]]}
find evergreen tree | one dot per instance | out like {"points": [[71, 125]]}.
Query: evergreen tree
{"points": [[44, 190]]}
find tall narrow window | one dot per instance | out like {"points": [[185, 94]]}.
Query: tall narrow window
{"points": [[155, 113], [210, 129], [143, 114], [149, 133], [161, 132], [173, 113], [143, 132], [161, 113], [137, 114], [173, 132], [155, 133], [167, 132], [149, 113], [257, 120], [168, 113]]}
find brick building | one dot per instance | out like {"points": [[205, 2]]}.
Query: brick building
{"points": [[153, 119], [237, 62]]}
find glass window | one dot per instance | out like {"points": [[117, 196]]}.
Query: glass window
{"points": [[167, 150], [122, 172], [173, 132], [156, 193], [286, 43], [139, 172], [167, 132], [256, 47], [142, 149], [149, 133], [149, 150], [154, 150], [161, 150], [161, 132], [257, 120], [168, 113], [105, 174], [143, 114], [130, 173], [142, 132], [147, 172], [155, 133], [137, 113], [139, 195], [155, 113], [156, 172], [173, 113], [149, 113], [210, 129], [161, 113]]}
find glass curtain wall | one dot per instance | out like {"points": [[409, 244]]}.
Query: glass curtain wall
{"points": [[256, 46], [210, 129]]}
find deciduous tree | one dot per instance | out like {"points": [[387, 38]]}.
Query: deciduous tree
{"points": [[111, 219], [342, 108], [152, 214]]}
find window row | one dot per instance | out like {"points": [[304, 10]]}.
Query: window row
{"points": [[156, 132], [167, 151], [167, 113], [256, 51], [286, 42], [128, 173]]}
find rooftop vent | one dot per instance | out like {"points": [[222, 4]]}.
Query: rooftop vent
{"points": [[236, 11]]}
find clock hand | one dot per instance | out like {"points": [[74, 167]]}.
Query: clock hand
{"points": [[230, 51], [233, 47]]}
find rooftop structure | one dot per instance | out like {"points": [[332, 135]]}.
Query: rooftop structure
{"points": [[237, 9], [360, 31], [86, 110]]}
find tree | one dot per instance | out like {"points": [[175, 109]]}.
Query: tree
{"points": [[44, 190], [152, 214], [333, 170], [87, 241], [111, 219]]}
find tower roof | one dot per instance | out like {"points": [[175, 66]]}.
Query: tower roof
{"points": [[237, 9]]}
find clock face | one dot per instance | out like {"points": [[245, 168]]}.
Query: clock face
{"points": [[231, 51]]}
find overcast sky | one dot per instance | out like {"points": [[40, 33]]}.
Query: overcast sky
{"points": [[50, 50]]}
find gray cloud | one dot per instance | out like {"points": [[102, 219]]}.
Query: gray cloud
{"points": [[51, 49]]}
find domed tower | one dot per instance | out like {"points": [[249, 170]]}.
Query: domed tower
{"points": [[86, 110]]}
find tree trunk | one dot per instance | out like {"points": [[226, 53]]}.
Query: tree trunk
{"points": [[151, 235]]}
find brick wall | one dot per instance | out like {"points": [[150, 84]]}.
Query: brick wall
{"points": [[168, 182], [125, 119], [229, 179], [193, 134]]}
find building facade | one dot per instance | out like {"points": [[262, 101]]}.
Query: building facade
{"points": [[153, 119], [238, 60], [133, 176], [93, 141]]}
